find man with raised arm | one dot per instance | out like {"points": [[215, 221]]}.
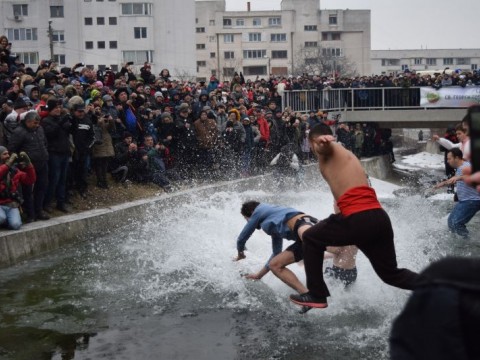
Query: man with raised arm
{"points": [[361, 222]]}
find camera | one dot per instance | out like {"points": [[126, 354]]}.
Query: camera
{"points": [[130, 63], [474, 125]]}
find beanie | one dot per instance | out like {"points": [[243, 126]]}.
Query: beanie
{"points": [[2, 150]]}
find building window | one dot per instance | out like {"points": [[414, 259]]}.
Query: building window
{"points": [[88, 44], [278, 37], [228, 38], [20, 10], [239, 22], [212, 38], [137, 9], [213, 72], [228, 71], [200, 30], [229, 55], [59, 59], [22, 34], [473, 67], [463, 61], [336, 36], [28, 58], [138, 57], [431, 61], [311, 44], [112, 21], [200, 46], [310, 28], [254, 54], [447, 61], [329, 36], [254, 70], [58, 36], [56, 11], [255, 37], [332, 19], [417, 61], [212, 55], [279, 54], [404, 67], [211, 23], [311, 61], [275, 21], [140, 32], [257, 22], [100, 21], [227, 22], [112, 44], [201, 63], [100, 44], [390, 62], [88, 21], [332, 52]]}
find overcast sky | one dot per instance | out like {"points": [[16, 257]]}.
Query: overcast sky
{"points": [[406, 24]]}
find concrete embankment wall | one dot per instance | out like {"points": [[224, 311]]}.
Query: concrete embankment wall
{"points": [[45, 236]]}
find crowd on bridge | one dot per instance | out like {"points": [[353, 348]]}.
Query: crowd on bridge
{"points": [[71, 122]]}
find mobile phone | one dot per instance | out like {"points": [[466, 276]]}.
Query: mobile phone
{"points": [[474, 125], [130, 63]]}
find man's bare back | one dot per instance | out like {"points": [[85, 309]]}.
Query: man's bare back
{"points": [[339, 167]]}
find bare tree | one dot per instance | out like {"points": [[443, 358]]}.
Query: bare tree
{"points": [[184, 75], [323, 61]]}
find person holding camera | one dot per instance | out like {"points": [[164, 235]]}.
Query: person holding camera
{"points": [[11, 178], [57, 127], [29, 137], [103, 150]]}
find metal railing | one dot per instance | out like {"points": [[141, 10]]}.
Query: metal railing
{"points": [[352, 99]]}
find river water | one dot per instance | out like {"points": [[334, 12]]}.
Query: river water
{"points": [[167, 288]]}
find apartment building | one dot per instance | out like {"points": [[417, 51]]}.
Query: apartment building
{"points": [[259, 43], [103, 33], [394, 61]]}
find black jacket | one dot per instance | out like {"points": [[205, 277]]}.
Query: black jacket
{"points": [[57, 130], [83, 135], [33, 142]]}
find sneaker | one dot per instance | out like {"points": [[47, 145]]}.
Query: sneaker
{"points": [[304, 309], [308, 300], [63, 208]]}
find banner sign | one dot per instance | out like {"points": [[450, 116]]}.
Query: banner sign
{"points": [[450, 97]]}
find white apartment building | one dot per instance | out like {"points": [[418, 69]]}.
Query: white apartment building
{"points": [[262, 42], [394, 61], [103, 33]]}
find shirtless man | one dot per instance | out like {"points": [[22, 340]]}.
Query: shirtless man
{"points": [[283, 223], [361, 222]]}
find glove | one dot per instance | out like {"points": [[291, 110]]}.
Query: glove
{"points": [[11, 160], [24, 158]]}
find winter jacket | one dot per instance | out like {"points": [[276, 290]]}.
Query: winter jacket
{"points": [[57, 130], [33, 142], [11, 179]]}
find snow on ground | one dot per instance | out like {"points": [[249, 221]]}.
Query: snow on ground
{"points": [[384, 189], [420, 161]]}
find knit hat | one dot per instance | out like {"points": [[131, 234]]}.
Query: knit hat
{"points": [[183, 107], [2, 150], [19, 103], [165, 115], [52, 103], [107, 98], [126, 134], [158, 94]]}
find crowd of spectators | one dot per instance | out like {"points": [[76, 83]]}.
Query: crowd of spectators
{"points": [[74, 122]]}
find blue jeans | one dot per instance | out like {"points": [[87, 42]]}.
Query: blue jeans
{"points": [[57, 178], [461, 214], [11, 216]]}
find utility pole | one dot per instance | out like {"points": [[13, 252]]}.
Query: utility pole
{"points": [[50, 38]]}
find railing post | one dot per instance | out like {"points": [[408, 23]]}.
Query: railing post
{"points": [[383, 98]]}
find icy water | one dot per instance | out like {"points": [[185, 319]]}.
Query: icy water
{"points": [[167, 288]]}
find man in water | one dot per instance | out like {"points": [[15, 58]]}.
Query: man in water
{"points": [[361, 222], [468, 198], [288, 223]]}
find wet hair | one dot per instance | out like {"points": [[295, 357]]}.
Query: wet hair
{"points": [[319, 129], [456, 153], [248, 208]]}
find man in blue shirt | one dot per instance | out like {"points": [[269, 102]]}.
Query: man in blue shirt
{"points": [[288, 223], [468, 198]]}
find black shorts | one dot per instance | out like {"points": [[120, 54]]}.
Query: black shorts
{"points": [[304, 220], [346, 276], [297, 249]]}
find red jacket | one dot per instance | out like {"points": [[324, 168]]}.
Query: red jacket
{"points": [[264, 129], [17, 177]]}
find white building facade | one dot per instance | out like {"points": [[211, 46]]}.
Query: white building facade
{"points": [[259, 43], [103, 33], [394, 61]]}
